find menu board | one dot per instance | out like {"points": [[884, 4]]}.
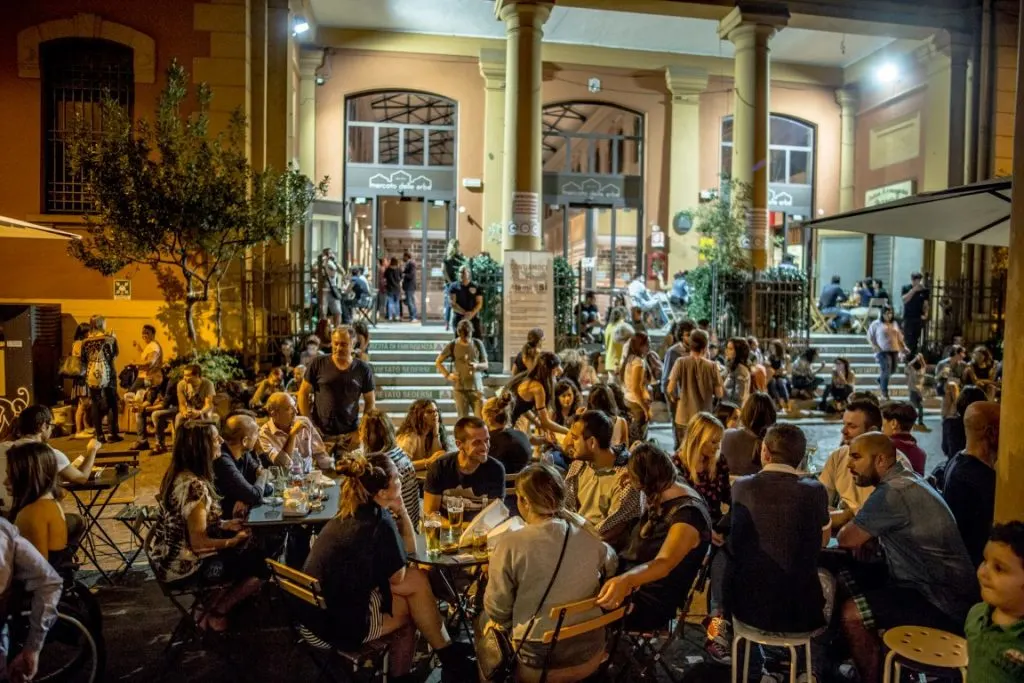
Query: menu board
{"points": [[529, 300]]}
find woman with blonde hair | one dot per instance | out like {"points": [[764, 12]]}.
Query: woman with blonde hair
{"points": [[667, 544], [377, 435], [700, 464], [423, 435], [552, 561], [360, 559], [616, 335]]}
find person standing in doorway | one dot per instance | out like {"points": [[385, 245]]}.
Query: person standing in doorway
{"points": [[453, 261], [468, 363], [915, 310], [409, 284], [467, 300], [393, 280]]}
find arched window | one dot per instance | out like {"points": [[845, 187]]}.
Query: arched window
{"points": [[790, 149], [77, 74]]}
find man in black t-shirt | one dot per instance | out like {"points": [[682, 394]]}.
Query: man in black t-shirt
{"points": [[970, 485], [915, 311], [467, 300], [409, 284], [453, 261], [779, 524], [330, 393], [468, 473]]}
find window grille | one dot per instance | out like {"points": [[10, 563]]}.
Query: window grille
{"points": [[77, 74]]}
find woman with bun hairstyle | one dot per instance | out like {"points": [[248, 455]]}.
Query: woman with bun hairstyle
{"points": [[360, 560], [534, 391], [527, 357], [509, 446]]}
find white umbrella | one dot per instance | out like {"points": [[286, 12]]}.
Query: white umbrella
{"points": [[11, 227], [974, 214]]}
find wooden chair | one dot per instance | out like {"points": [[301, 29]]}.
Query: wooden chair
{"points": [[560, 613], [821, 322], [372, 656]]}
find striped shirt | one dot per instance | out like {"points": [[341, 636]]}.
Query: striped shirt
{"points": [[410, 485]]}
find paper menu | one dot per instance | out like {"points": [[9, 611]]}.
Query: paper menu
{"points": [[488, 519]]}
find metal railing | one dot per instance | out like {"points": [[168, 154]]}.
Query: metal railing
{"points": [[763, 305], [975, 310]]}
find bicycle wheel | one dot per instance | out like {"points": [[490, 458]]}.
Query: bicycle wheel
{"points": [[70, 653]]}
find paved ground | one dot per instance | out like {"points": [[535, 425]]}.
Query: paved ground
{"points": [[138, 618]]}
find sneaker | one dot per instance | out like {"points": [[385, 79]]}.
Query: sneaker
{"points": [[718, 645], [84, 434], [140, 445]]}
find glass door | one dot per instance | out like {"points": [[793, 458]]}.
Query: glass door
{"points": [[431, 259]]}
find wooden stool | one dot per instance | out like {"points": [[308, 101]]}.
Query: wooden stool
{"points": [[929, 647]]}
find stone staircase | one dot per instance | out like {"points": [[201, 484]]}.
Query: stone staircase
{"points": [[403, 357], [856, 349]]}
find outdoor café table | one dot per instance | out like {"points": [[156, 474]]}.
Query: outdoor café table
{"points": [[448, 568], [267, 515], [92, 498]]}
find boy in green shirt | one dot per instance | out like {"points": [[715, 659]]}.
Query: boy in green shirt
{"points": [[995, 627]]}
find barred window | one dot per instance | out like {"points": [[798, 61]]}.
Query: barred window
{"points": [[77, 74]]}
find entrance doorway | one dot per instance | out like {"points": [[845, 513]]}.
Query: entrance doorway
{"points": [[593, 192], [401, 189]]}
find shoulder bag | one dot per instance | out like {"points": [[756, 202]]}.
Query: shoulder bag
{"points": [[496, 655]]}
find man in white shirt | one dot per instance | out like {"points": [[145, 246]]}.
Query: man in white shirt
{"points": [[287, 433], [151, 358], [35, 423], [845, 497]]}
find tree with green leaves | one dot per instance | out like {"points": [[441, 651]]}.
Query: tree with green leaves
{"points": [[175, 197]]}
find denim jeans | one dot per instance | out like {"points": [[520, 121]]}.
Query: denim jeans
{"points": [[842, 317], [447, 303], [392, 310], [886, 367], [410, 303]]}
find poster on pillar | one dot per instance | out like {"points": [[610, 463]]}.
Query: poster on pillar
{"points": [[529, 299], [525, 214]]}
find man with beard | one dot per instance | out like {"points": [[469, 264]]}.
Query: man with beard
{"points": [[468, 473], [929, 579], [330, 394], [845, 496]]}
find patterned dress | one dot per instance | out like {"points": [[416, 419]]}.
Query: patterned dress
{"points": [[170, 553]]}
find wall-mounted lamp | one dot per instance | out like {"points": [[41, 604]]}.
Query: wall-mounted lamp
{"points": [[887, 73], [299, 25]]}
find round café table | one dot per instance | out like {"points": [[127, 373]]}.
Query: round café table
{"points": [[449, 568]]}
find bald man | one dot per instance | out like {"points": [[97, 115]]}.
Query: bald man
{"points": [[970, 486], [930, 579], [237, 475], [287, 433]]}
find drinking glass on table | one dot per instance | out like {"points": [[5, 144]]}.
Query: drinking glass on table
{"points": [[480, 543], [455, 506], [432, 533]]}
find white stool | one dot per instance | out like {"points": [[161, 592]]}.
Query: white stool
{"points": [[928, 646], [750, 634]]}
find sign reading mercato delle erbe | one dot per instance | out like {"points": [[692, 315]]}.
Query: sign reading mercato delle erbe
{"points": [[888, 193], [529, 299]]}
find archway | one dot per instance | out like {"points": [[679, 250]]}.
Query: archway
{"points": [[400, 184], [594, 189]]}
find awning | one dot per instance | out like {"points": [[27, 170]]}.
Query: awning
{"points": [[11, 227], [974, 214]]}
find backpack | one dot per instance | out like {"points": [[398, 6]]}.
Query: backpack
{"points": [[97, 374], [128, 376], [450, 350]]}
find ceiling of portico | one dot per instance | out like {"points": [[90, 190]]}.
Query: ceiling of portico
{"points": [[582, 26]]}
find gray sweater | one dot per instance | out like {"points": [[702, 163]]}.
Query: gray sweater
{"points": [[521, 567]]}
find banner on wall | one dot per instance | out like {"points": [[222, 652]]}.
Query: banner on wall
{"points": [[529, 299]]}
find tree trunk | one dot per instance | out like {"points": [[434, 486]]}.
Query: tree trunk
{"points": [[217, 313], [190, 322]]}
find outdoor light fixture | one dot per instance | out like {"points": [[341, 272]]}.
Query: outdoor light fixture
{"points": [[320, 80], [888, 73], [300, 25]]}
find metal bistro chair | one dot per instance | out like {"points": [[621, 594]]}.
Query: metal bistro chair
{"points": [[647, 648], [551, 638], [366, 308], [371, 658]]}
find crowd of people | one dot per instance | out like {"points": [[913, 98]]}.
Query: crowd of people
{"points": [[871, 542]]}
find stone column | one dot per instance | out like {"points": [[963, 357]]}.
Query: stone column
{"points": [[1010, 465], [522, 200], [749, 30], [492, 68], [848, 100], [309, 62], [959, 52], [685, 85], [279, 37]]}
